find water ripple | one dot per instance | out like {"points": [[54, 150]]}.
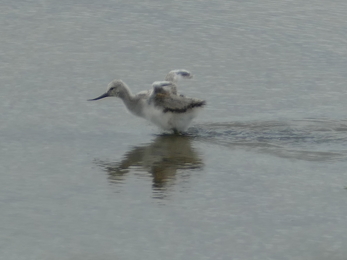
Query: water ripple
{"points": [[309, 139]]}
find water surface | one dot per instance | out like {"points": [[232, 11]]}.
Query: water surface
{"points": [[261, 174]]}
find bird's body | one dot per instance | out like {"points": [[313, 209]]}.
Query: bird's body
{"points": [[161, 105]]}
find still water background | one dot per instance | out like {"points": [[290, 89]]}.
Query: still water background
{"points": [[260, 175]]}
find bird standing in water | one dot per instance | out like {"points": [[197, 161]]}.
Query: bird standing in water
{"points": [[161, 105]]}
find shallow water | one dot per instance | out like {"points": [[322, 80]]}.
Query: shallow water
{"points": [[261, 173]]}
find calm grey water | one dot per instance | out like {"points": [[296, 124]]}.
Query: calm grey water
{"points": [[261, 174]]}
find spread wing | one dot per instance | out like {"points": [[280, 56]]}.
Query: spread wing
{"points": [[175, 75], [164, 86], [163, 98]]}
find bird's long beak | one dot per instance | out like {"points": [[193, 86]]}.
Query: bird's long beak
{"points": [[102, 96]]}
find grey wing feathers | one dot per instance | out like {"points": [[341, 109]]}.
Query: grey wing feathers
{"points": [[176, 104], [165, 96], [164, 86]]}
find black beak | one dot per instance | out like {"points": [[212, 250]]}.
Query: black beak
{"points": [[102, 96]]}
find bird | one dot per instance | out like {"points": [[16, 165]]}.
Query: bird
{"points": [[160, 105]]}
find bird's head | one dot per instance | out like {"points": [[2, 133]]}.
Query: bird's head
{"points": [[116, 88]]}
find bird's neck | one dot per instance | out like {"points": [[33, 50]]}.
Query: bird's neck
{"points": [[131, 102]]}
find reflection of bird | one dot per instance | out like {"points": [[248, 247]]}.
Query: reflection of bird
{"points": [[162, 159], [161, 105]]}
